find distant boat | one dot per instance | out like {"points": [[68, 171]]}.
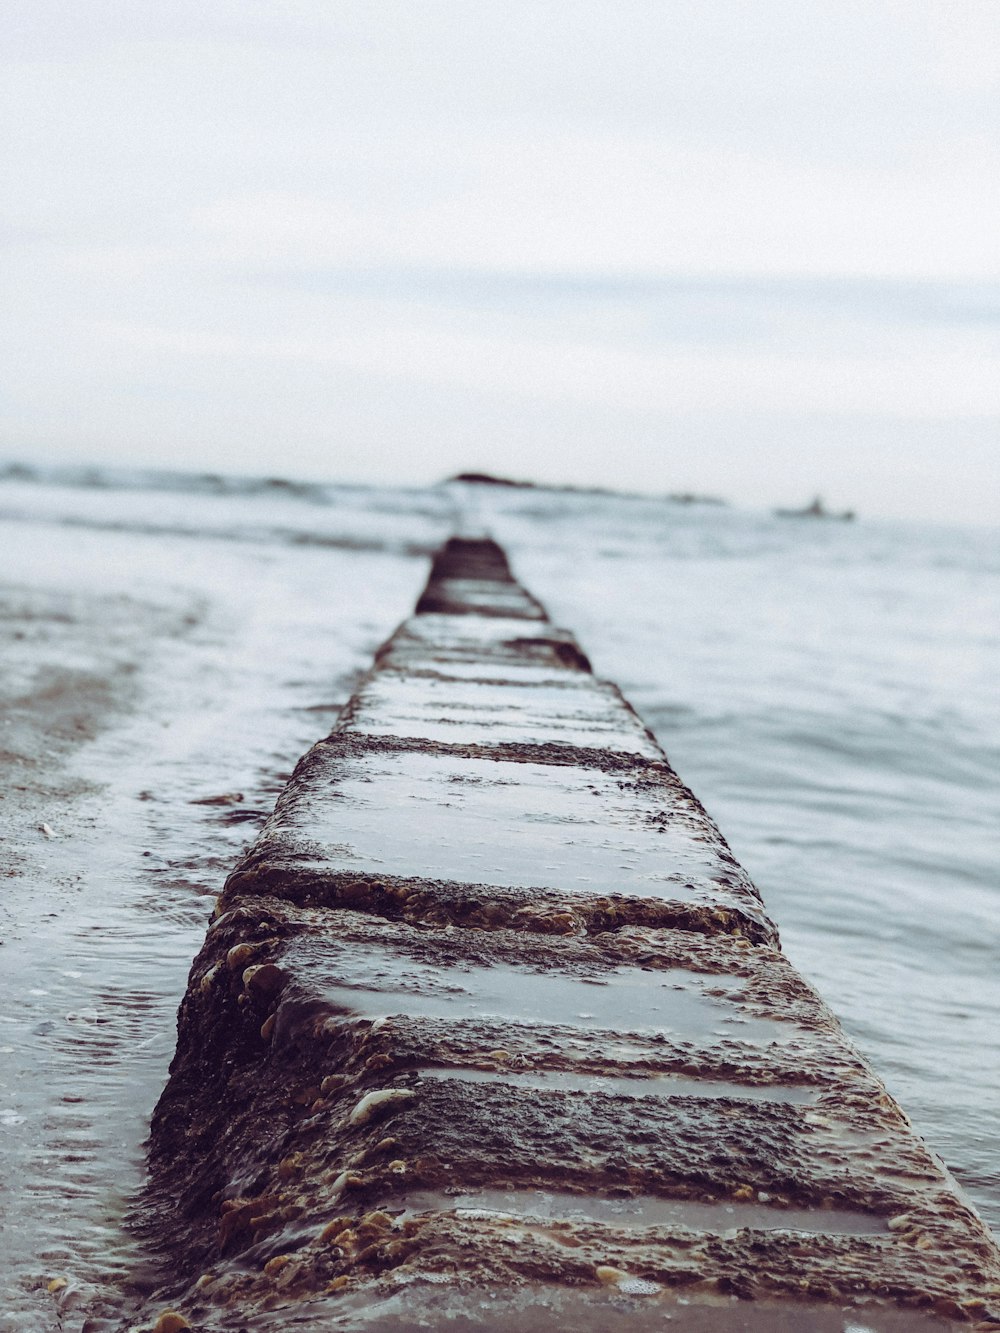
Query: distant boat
{"points": [[816, 510]]}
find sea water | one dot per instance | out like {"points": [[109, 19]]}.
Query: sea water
{"points": [[827, 689]]}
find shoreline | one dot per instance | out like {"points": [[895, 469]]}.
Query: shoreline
{"points": [[190, 673]]}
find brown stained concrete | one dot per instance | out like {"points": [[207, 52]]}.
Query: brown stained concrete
{"points": [[491, 1030]]}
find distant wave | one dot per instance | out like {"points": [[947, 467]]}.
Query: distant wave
{"points": [[281, 536], [151, 479]]}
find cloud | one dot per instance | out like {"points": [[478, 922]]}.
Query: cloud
{"points": [[547, 216]]}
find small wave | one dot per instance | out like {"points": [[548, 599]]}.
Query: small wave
{"points": [[153, 479], [253, 533]]}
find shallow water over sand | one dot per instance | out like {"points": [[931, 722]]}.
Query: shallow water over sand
{"points": [[827, 692], [238, 656]]}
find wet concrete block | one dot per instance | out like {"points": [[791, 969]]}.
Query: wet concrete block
{"points": [[448, 817], [487, 641], [576, 711]]}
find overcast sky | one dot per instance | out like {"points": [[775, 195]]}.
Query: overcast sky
{"points": [[744, 246]]}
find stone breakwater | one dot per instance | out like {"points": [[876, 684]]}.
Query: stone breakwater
{"points": [[491, 1030]]}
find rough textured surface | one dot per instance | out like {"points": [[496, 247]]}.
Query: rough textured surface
{"points": [[492, 1030]]}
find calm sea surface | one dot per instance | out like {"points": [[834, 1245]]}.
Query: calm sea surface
{"points": [[829, 691]]}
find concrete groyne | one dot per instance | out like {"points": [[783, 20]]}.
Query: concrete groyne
{"points": [[492, 1030]]}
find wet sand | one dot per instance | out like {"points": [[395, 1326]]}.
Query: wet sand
{"points": [[81, 1042], [123, 710]]}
